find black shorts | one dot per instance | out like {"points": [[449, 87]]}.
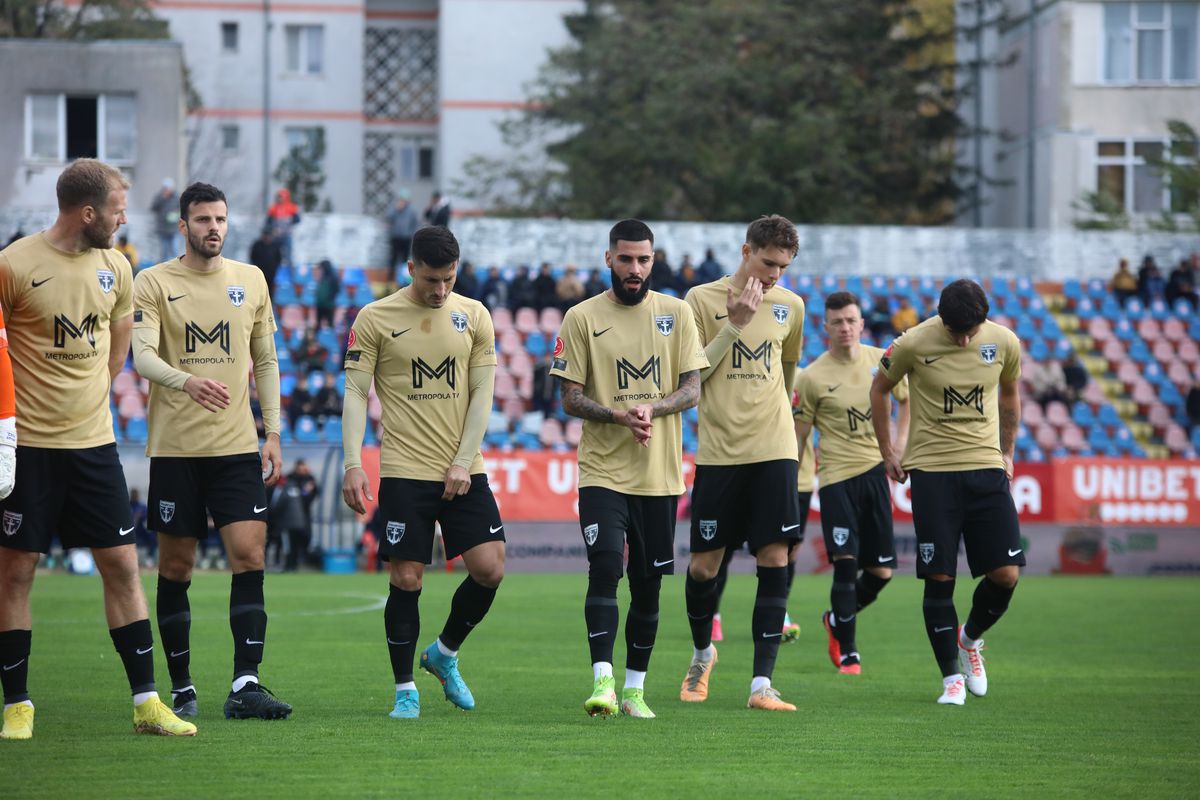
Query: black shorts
{"points": [[752, 503], [183, 489], [609, 519], [856, 518], [975, 505], [80, 495], [411, 507]]}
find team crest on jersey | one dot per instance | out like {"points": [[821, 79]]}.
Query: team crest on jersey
{"points": [[926, 549], [781, 312], [665, 323], [12, 522], [107, 280], [237, 295], [458, 320], [166, 510], [395, 532], [590, 534], [840, 535], [988, 351], [708, 529]]}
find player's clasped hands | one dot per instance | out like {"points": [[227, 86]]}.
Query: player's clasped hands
{"points": [[741, 310], [212, 395], [640, 421], [458, 482]]}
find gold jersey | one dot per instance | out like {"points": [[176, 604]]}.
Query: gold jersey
{"points": [[835, 397], [625, 356], [745, 408], [58, 307], [420, 358], [205, 321], [955, 415]]}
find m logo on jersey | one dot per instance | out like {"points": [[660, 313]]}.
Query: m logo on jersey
{"points": [[951, 398], [421, 370], [988, 351], [854, 416], [741, 351], [107, 280], [194, 335], [237, 295], [63, 327], [840, 536], [458, 320], [708, 529], [166, 510], [590, 534], [626, 371], [665, 323], [12, 522], [395, 532], [926, 549], [781, 313]]}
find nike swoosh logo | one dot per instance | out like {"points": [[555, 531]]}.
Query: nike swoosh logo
{"points": [[601, 333], [883, 560], [594, 635], [252, 643], [180, 653], [931, 360], [943, 630], [22, 661], [400, 333], [834, 388], [472, 624], [772, 635], [142, 652], [844, 619], [787, 528], [235, 702], [497, 528], [691, 616], [1012, 553], [722, 316], [258, 510], [171, 299], [637, 646], [126, 532], [399, 643], [39, 283], [658, 563]]}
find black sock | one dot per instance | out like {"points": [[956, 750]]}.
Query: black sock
{"points": [[791, 573], [941, 623], [641, 623], [842, 601], [468, 608], [868, 588], [14, 658], [248, 621], [402, 626], [600, 605], [770, 607], [722, 579], [701, 598], [987, 606], [135, 646], [174, 629]]}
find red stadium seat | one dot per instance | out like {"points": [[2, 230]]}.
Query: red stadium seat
{"points": [[525, 387], [1176, 440], [520, 364], [550, 321], [124, 382], [1159, 417], [526, 320], [1149, 330], [1073, 439], [1099, 329], [131, 407], [1113, 352], [552, 433], [374, 409], [1189, 352], [514, 409], [293, 318], [511, 343], [1046, 437], [1031, 413], [1057, 414], [574, 432], [1179, 374], [502, 320], [1175, 330], [506, 387], [1128, 373], [1144, 394], [1093, 395]]}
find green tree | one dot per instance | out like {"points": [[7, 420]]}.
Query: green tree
{"points": [[302, 171], [90, 20], [829, 111]]}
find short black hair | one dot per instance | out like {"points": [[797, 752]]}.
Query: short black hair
{"points": [[963, 305], [629, 230], [773, 231], [199, 193], [434, 246], [839, 300]]}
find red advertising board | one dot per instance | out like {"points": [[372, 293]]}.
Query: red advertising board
{"points": [[1127, 491]]}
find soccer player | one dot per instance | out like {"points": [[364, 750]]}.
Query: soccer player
{"points": [[68, 297], [856, 499], [963, 372], [433, 357], [628, 362], [200, 321], [746, 467]]}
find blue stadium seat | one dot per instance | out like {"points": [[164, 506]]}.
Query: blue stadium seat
{"points": [[829, 283], [804, 284], [328, 338], [284, 294], [354, 276], [1082, 415], [1112, 451], [855, 284], [332, 432], [536, 344], [1038, 350], [879, 285], [1194, 329], [135, 431], [369, 436], [1060, 452], [1024, 287], [287, 383], [1159, 310], [1085, 309], [341, 383], [1133, 308], [1140, 353], [1170, 395], [1096, 289], [344, 298], [285, 434], [1109, 418], [1136, 451], [308, 295], [283, 275], [1072, 289], [1182, 308], [1196, 437], [1062, 348], [1035, 455], [1001, 287], [306, 429], [1097, 438], [116, 425], [1125, 330]]}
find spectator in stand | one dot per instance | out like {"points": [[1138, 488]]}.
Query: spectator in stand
{"points": [[1075, 375], [285, 515], [467, 284], [127, 249], [495, 290], [328, 286], [1124, 283], [402, 224], [595, 284], [545, 290], [710, 269], [1182, 283], [543, 388], [266, 254], [688, 275], [879, 318], [283, 215], [301, 480], [1193, 405], [905, 317], [521, 292], [662, 279], [1151, 285], [165, 210], [327, 403], [1047, 382], [310, 355], [302, 403], [438, 211], [569, 289]]}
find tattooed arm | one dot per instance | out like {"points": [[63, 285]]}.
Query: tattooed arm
{"points": [[685, 397], [1010, 420], [578, 404]]}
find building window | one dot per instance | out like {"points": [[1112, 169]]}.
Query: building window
{"points": [[416, 158], [229, 37], [304, 139], [230, 138], [60, 127], [305, 49], [1123, 173], [1151, 42]]}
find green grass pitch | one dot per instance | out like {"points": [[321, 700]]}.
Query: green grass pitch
{"points": [[1094, 693]]}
